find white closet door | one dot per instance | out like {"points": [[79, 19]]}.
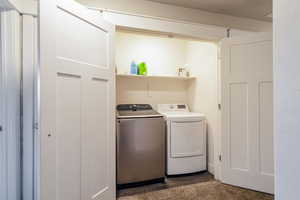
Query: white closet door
{"points": [[247, 115], [10, 89], [77, 103]]}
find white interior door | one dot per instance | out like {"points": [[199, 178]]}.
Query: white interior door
{"points": [[77, 101], [247, 115]]}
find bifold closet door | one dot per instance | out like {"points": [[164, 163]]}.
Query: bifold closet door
{"points": [[247, 112], [77, 99], [30, 105], [10, 89]]}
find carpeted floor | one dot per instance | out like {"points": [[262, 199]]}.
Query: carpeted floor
{"points": [[210, 190]]}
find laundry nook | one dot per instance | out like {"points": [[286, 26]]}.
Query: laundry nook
{"points": [[164, 112]]}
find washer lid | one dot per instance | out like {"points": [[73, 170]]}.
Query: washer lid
{"points": [[138, 114], [136, 111]]}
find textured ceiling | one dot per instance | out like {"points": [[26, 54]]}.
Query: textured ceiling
{"points": [[256, 9]]}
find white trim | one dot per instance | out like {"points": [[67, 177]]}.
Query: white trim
{"points": [[145, 7], [105, 10], [218, 134], [29, 73], [211, 168], [276, 106], [86, 14], [135, 22], [37, 135]]}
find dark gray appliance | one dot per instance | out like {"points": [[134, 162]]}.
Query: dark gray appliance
{"points": [[140, 144]]}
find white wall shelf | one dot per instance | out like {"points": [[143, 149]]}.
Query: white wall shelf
{"points": [[155, 76]]}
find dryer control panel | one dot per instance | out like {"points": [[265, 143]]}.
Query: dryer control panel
{"points": [[173, 108]]}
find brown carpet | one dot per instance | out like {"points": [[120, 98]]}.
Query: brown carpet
{"points": [[212, 190]]}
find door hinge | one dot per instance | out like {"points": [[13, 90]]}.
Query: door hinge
{"points": [[219, 106], [36, 126], [220, 158], [228, 33]]}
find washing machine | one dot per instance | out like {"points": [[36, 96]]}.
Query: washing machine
{"points": [[186, 139], [141, 145]]}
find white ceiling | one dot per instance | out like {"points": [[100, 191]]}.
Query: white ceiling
{"points": [[256, 9]]}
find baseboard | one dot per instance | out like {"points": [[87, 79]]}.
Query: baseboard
{"points": [[211, 168]]}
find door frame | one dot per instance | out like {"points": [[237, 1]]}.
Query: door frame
{"points": [[3, 186], [30, 112], [211, 33]]}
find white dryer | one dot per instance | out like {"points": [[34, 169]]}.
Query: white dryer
{"points": [[186, 139]]}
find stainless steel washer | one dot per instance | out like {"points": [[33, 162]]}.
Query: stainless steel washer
{"points": [[140, 144]]}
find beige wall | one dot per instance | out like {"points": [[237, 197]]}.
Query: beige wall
{"points": [[202, 61], [149, 8], [162, 55], [151, 91]]}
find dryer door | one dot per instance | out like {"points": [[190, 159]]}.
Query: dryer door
{"points": [[187, 138]]}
